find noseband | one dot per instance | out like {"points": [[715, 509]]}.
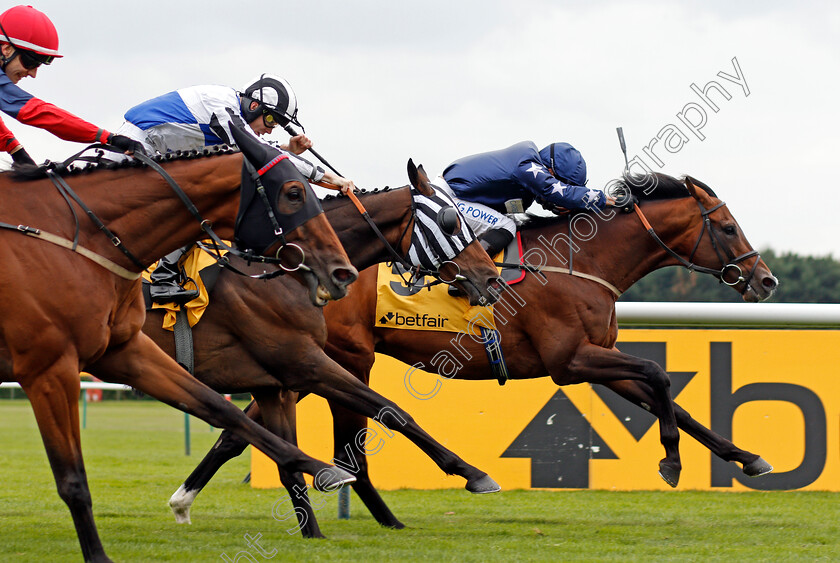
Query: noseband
{"points": [[729, 262]]}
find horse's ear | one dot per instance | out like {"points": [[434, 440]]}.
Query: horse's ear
{"points": [[257, 152], [419, 179], [696, 193], [412, 173]]}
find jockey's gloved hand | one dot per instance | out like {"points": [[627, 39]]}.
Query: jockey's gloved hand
{"points": [[126, 144], [20, 156]]}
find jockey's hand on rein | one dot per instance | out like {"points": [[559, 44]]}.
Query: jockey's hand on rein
{"points": [[126, 144], [20, 156]]}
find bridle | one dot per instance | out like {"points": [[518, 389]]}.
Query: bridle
{"points": [[53, 171], [729, 262], [415, 272]]}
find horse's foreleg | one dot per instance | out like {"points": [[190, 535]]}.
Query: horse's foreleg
{"points": [[331, 381], [278, 413], [227, 447], [55, 400], [141, 364], [347, 427], [640, 394], [594, 364]]}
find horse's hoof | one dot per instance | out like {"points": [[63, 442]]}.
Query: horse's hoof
{"points": [[331, 479], [757, 467], [669, 474], [180, 503], [483, 485]]}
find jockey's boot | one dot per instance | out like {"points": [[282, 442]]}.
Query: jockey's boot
{"points": [[492, 241], [167, 280]]}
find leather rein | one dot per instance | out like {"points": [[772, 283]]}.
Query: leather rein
{"points": [[416, 272], [52, 171], [729, 262]]}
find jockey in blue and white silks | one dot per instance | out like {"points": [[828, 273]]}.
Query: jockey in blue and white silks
{"points": [[483, 183], [193, 118], [199, 116]]}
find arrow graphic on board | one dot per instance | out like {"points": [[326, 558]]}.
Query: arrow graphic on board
{"points": [[560, 441]]}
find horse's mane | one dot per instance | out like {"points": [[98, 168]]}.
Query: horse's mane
{"points": [[25, 172], [646, 187], [336, 198], [657, 186]]}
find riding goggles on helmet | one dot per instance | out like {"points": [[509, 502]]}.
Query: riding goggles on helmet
{"points": [[31, 60], [271, 119]]}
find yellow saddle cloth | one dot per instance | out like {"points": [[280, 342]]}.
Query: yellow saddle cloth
{"points": [[195, 261], [426, 309]]}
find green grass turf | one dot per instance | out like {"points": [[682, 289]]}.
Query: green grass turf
{"points": [[135, 459]]}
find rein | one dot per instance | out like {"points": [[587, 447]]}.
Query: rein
{"points": [[218, 243], [67, 193], [727, 259], [416, 272]]}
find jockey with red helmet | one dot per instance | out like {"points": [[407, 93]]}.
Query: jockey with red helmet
{"points": [[28, 39]]}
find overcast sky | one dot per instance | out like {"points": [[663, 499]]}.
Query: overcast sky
{"points": [[381, 81]]}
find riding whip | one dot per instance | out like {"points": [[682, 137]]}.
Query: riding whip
{"points": [[620, 132], [291, 131]]}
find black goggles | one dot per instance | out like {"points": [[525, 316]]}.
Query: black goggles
{"points": [[31, 60]]}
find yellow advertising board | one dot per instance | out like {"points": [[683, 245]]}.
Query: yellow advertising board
{"points": [[772, 392]]}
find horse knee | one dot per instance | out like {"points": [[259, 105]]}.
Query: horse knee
{"points": [[229, 445], [74, 491]]}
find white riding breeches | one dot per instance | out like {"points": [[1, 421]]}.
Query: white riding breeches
{"points": [[480, 217]]}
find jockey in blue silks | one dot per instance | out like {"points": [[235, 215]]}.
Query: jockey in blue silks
{"points": [[488, 185]]}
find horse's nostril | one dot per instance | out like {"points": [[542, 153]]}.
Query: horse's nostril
{"points": [[770, 282], [344, 276]]}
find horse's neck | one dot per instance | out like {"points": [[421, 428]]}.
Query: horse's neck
{"points": [[621, 251], [147, 215], [390, 211]]}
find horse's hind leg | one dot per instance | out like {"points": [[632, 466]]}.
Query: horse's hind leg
{"points": [[594, 364], [640, 394], [347, 427], [141, 364], [55, 400]]}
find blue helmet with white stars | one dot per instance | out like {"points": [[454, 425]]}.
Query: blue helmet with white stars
{"points": [[566, 162]]}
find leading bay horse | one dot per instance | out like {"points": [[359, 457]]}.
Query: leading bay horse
{"points": [[268, 340], [563, 326], [71, 298]]}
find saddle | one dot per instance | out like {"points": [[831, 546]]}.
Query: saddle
{"points": [[203, 269]]}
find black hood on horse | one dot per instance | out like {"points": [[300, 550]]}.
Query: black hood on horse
{"points": [[254, 224]]}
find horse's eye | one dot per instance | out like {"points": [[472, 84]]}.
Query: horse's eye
{"points": [[295, 195], [730, 230]]}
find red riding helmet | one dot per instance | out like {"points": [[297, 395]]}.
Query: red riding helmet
{"points": [[26, 28]]}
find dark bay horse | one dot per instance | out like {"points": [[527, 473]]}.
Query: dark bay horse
{"points": [[267, 339], [77, 308], [564, 326]]}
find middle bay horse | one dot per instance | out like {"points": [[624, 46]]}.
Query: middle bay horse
{"points": [[562, 326], [266, 338]]}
